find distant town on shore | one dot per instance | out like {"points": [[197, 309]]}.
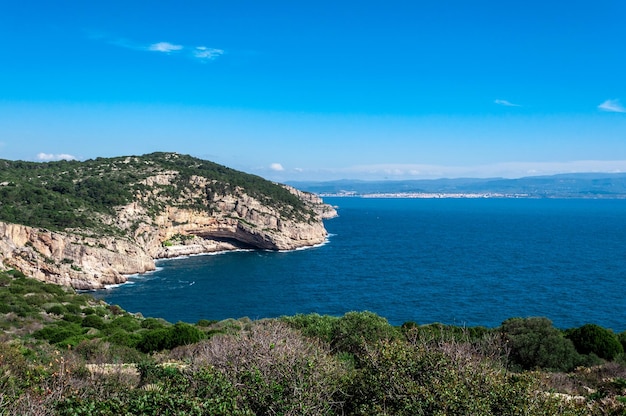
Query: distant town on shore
{"points": [[575, 185]]}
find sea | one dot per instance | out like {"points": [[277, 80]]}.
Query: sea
{"points": [[466, 262]]}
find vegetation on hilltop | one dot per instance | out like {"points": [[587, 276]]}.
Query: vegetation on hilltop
{"points": [[71, 194], [63, 353]]}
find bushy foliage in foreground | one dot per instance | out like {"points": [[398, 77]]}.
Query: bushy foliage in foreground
{"points": [[593, 339], [67, 354], [535, 344]]}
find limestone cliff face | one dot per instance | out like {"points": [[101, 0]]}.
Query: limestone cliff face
{"points": [[322, 209], [71, 260], [230, 221]]}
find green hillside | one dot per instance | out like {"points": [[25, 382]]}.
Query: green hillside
{"points": [[71, 194]]}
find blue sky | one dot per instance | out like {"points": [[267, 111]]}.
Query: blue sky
{"points": [[320, 90]]}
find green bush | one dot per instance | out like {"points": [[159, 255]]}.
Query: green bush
{"points": [[534, 343], [166, 391], [73, 308], [36, 299], [593, 339], [166, 338], [56, 289], [93, 321], [154, 340], [128, 323], [57, 309], [622, 339], [353, 331], [89, 311], [15, 273], [400, 379], [121, 337], [153, 323], [313, 325], [205, 323], [184, 334], [59, 331], [72, 318]]}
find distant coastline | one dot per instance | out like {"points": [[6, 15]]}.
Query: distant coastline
{"points": [[455, 195], [564, 186], [425, 195]]}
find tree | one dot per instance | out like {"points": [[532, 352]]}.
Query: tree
{"points": [[535, 343], [593, 339]]}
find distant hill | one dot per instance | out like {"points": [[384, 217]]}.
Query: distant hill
{"points": [[577, 185]]}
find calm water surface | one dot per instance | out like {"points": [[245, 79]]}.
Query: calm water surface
{"points": [[457, 261]]}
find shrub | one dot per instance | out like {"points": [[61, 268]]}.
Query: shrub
{"points": [[13, 371], [205, 323], [313, 325], [397, 378], [72, 318], [36, 299], [165, 391], [73, 308], [152, 323], [89, 311], [58, 332], [535, 343], [55, 289], [93, 321], [121, 337], [184, 334], [15, 273], [593, 339], [353, 331], [622, 339], [57, 309], [276, 369], [127, 323], [154, 340]]}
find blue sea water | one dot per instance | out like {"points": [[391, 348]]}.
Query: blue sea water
{"points": [[456, 261]]}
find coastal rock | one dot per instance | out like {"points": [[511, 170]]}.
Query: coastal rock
{"points": [[316, 203], [71, 260], [230, 221]]}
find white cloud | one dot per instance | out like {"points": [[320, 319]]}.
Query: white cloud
{"points": [[506, 103], [277, 167], [201, 53], [164, 47], [209, 54], [47, 157], [613, 106]]}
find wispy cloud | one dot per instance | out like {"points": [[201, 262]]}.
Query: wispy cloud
{"points": [[207, 54], [277, 167], [47, 157], [612, 106], [164, 47], [506, 103], [198, 53]]}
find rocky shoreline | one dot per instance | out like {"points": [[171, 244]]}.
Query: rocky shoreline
{"points": [[86, 262]]}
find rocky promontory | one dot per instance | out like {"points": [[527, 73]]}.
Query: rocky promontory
{"points": [[165, 205]]}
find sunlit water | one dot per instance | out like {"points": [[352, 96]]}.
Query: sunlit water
{"points": [[457, 261]]}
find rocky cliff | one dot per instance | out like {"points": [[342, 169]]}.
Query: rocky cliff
{"points": [[171, 213]]}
